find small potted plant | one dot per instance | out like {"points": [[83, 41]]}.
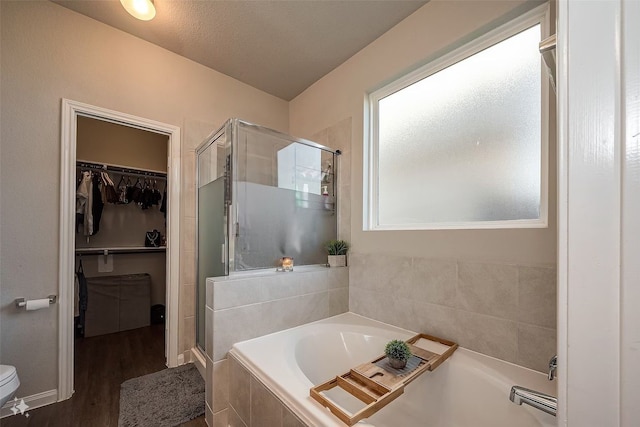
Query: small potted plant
{"points": [[337, 253], [398, 353]]}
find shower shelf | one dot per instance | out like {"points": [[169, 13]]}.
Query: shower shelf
{"points": [[375, 386]]}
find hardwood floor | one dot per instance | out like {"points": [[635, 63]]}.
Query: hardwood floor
{"points": [[102, 364]]}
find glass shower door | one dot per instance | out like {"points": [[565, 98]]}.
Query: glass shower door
{"points": [[284, 199], [261, 195], [214, 163]]}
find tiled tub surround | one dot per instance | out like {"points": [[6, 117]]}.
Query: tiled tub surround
{"points": [[501, 310], [251, 304], [251, 404]]}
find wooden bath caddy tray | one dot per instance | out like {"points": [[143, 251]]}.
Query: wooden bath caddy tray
{"points": [[377, 387]]}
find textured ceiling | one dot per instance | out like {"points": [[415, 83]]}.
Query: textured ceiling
{"points": [[280, 47]]}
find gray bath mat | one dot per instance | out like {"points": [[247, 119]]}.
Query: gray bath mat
{"points": [[162, 399]]}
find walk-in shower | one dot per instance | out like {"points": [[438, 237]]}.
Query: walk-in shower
{"points": [[262, 195]]}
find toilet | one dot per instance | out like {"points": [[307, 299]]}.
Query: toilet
{"points": [[9, 383]]}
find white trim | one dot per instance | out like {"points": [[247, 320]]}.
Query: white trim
{"points": [[521, 23], [538, 15], [592, 205], [34, 401], [70, 111], [480, 225], [563, 208], [630, 274]]}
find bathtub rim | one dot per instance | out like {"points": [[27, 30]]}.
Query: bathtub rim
{"points": [[299, 409]]}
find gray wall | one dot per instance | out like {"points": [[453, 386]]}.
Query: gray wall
{"points": [[248, 305], [49, 53]]}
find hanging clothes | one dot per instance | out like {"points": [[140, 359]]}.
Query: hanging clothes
{"points": [[84, 199], [136, 192], [147, 196], [83, 300], [122, 191], [163, 206], [109, 193], [157, 196], [97, 204]]}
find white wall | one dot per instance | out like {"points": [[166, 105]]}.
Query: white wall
{"points": [[49, 52], [432, 30]]}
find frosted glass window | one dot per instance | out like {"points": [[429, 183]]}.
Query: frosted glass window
{"points": [[462, 145]]}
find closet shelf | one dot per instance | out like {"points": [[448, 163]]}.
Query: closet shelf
{"points": [[145, 173], [119, 250]]}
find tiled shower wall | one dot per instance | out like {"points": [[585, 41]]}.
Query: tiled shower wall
{"points": [[503, 310], [338, 137]]}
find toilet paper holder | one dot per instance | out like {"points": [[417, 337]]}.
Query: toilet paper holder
{"points": [[22, 302]]}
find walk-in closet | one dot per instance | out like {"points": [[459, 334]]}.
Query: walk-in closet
{"points": [[120, 251]]}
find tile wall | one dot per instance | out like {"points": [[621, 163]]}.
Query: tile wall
{"points": [[253, 304], [251, 404], [503, 310], [338, 137]]}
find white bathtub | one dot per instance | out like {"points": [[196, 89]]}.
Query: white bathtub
{"points": [[467, 390]]}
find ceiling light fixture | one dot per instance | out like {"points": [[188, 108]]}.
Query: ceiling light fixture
{"points": [[141, 9]]}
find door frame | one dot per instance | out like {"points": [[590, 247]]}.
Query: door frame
{"points": [[598, 213], [70, 112]]}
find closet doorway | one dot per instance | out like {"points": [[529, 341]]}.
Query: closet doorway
{"points": [[132, 270]]}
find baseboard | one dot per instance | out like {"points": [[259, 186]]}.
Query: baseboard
{"points": [[34, 401]]}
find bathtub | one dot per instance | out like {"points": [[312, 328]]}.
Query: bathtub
{"points": [[467, 390]]}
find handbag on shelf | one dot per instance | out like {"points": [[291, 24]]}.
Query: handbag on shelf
{"points": [[153, 239]]}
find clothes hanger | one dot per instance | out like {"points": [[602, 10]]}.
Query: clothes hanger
{"points": [[80, 268]]}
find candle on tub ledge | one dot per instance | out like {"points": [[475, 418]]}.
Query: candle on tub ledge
{"points": [[286, 264]]}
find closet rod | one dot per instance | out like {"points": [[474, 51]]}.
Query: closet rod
{"points": [[80, 164], [119, 250]]}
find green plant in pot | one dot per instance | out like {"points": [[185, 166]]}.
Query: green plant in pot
{"points": [[398, 353], [337, 253]]}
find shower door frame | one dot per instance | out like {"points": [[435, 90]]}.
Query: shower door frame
{"points": [[233, 212], [209, 140], [231, 128]]}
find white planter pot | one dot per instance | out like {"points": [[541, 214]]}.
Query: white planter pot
{"points": [[337, 260]]}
